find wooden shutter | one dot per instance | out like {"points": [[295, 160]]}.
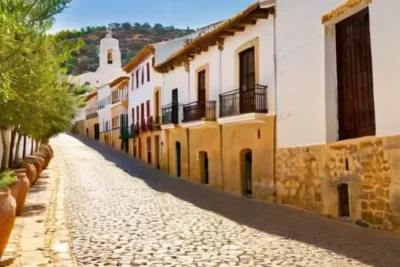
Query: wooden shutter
{"points": [[356, 109], [148, 71], [137, 78], [148, 108], [142, 75], [133, 81], [142, 111], [133, 115], [137, 114]]}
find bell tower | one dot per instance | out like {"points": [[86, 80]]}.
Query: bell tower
{"points": [[110, 55]]}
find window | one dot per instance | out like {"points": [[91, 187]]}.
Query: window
{"points": [[132, 81], [148, 108], [142, 111], [148, 71], [137, 78], [133, 115], [110, 56], [142, 75], [115, 122], [137, 114], [153, 61]]}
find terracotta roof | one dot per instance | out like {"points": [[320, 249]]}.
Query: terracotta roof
{"points": [[340, 10], [145, 52], [91, 95], [123, 84], [213, 36], [118, 81]]}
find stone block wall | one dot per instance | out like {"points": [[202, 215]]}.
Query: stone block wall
{"points": [[308, 177]]}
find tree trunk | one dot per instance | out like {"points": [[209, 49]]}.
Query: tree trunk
{"points": [[12, 144], [5, 137], [37, 145], [16, 155], [31, 145], [24, 148]]}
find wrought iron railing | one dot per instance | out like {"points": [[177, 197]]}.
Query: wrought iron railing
{"points": [[199, 110], [135, 130], [143, 125], [170, 113], [252, 99], [92, 115]]}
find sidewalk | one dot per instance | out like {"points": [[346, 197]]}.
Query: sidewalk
{"points": [[40, 236]]}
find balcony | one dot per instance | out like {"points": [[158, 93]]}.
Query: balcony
{"points": [[135, 130], [240, 101], [199, 111], [92, 115], [171, 114], [143, 125], [156, 123]]}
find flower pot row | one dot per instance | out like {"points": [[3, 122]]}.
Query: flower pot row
{"points": [[12, 199]]}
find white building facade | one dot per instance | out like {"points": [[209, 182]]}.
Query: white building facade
{"points": [[337, 125]]}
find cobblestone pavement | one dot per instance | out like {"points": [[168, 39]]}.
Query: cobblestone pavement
{"points": [[123, 213]]}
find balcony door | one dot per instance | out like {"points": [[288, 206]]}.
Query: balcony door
{"points": [[355, 82], [247, 80], [175, 106], [201, 94]]}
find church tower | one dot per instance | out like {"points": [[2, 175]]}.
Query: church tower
{"points": [[110, 55]]}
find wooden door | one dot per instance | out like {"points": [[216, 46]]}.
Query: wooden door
{"points": [[343, 194], [247, 80], [201, 94], [175, 107], [178, 159], [355, 82], [248, 172]]}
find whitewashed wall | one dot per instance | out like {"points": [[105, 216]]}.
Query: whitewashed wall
{"points": [[104, 113], [144, 92], [306, 71], [264, 31], [212, 58], [178, 78]]}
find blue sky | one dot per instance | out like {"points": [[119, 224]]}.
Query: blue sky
{"points": [[179, 13]]}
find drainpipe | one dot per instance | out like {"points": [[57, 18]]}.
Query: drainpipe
{"points": [[276, 102]]}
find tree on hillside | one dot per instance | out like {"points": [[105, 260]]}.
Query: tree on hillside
{"points": [[126, 25]]}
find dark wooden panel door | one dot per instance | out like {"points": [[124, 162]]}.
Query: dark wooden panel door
{"points": [[355, 84], [247, 79], [202, 93]]}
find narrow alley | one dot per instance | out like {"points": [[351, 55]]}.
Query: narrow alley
{"points": [[120, 212]]}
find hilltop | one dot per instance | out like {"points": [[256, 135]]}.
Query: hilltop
{"points": [[132, 38]]}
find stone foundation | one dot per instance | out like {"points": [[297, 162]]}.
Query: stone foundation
{"points": [[308, 177]]}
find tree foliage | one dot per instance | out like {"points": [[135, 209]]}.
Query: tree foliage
{"points": [[35, 97]]}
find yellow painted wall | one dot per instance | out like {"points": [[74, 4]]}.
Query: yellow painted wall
{"points": [[90, 126], [79, 128], [235, 138], [308, 177], [165, 151], [116, 141], [207, 140], [178, 135]]}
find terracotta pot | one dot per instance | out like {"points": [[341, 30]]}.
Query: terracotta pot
{"points": [[7, 218], [46, 149], [24, 186], [30, 171], [38, 162], [45, 157]]}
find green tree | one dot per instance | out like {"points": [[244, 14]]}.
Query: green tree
{"points": [[34, 100], [126, 25]]}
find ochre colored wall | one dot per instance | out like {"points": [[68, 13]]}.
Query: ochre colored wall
{"points": [[115, 141], [90, 126], [308, 177], [79, 128], [207, 140], [236, 138], [178, 135], [164, 150]]}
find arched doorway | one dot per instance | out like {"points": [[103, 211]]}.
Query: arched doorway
{"points": [[204, 173], [178, 159], [246, 165]]}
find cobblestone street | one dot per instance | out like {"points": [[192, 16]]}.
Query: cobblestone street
{"points": [[120, 212]]}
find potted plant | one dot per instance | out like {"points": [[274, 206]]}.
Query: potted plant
{"points": [[24, 186], [7, 208]]}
